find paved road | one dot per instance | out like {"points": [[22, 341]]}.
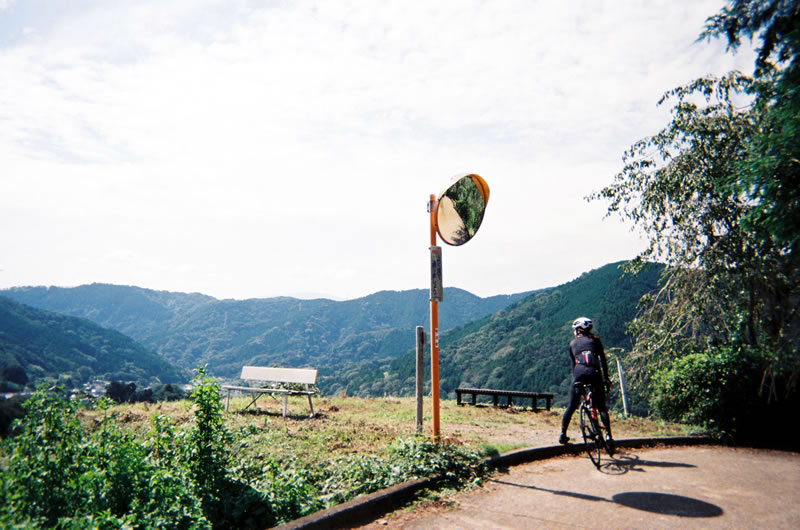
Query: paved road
{"points": [[695, 487]]}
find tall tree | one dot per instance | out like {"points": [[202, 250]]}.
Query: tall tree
{"points": [[727, 293], [770, 173]]}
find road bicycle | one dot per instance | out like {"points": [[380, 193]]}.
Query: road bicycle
{"points": [[594, 434]]}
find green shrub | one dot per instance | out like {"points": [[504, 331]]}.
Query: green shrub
{"points": [[59, 474], [290, 489], [719, 390], [293, 489], [46, 462], [207, 456], [226, 501], [419, 457]]}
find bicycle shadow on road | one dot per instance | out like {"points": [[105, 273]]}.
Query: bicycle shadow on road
{"points": [[622, 463], [648, 501]]}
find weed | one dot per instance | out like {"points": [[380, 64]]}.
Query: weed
{"points": [[60, 474]]}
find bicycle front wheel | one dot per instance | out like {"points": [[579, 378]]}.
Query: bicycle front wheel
{"points": [[592, 438]]}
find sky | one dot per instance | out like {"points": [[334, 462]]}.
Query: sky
{"points": [[251, 149]]}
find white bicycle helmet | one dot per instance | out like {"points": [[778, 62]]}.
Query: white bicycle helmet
{"points": [[582, 323]]}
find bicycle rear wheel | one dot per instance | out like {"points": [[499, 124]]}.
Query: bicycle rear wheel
{"points": [[592, 437]]}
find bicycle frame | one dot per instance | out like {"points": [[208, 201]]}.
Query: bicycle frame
{"points": [[587, 398], [591, 430]]}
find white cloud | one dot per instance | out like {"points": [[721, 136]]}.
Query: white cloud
{"points": [[246, 149]]}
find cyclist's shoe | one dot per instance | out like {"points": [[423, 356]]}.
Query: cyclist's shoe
{"points": [[563, 439], [610, 444]]}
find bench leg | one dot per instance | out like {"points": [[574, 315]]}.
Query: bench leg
{"points": [[510, 403], [548, 403], [285, 404], [254, 396], [458, 398], [228, 401], [311, 406], [494, 399], [473, 399]]}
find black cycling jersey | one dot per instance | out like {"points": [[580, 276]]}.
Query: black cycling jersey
{"points": [[589, 365], [587, 350]]}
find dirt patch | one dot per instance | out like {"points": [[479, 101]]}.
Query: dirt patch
{"points": [[503, 428]]}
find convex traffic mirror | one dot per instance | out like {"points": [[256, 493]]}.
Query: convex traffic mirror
{"points": [[460, 208]]}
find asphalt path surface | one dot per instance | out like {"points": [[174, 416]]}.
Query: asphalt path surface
{"points": [[678, 487]]}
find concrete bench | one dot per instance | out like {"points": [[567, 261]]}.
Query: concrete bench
{"points": [[508, 394], [273, 376]]}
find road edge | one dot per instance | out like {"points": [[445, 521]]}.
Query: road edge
{"points": [[375, 504]]}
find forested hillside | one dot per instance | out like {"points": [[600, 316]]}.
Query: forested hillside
{"points": [[39, 345], [524, 346], [192, 329], [365, 346]]}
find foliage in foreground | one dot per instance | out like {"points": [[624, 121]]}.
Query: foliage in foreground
{"points": [[58, 472]]}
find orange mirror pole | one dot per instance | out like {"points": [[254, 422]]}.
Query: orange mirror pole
{"points": [[434, 335]]}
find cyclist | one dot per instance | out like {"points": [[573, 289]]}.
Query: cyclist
{"points": [[587, 358]]}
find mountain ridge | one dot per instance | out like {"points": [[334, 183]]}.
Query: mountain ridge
{"points": [[365, 346], [195, 329]]}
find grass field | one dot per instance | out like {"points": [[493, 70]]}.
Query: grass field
{"points": [[367, 426]]}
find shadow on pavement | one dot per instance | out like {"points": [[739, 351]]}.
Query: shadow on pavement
{"points": [[661, 503], [581, 496], [667, 504], [621, 464]]}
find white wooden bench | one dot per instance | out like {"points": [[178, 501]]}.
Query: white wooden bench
{"points": [[273, 376]]}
